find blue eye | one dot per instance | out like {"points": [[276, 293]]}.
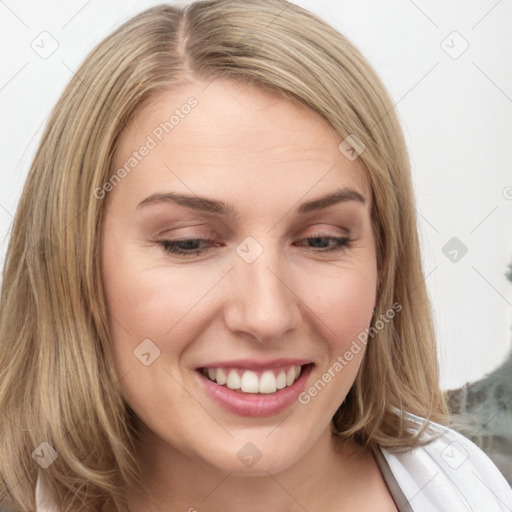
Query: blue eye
{"points": [[190, 247]]}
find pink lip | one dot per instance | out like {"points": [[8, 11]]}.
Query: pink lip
{"points": [[252, 364], [255, 404]]}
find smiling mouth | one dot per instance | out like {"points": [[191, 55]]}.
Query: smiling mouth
{"points": [[265, 382]]}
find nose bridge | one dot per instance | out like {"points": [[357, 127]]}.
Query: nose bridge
{"points": [[263, 302]]}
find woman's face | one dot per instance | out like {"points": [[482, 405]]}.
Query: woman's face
{"points": [[238, 174]]}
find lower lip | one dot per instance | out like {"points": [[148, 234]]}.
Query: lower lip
{"points": [[256, 404]]}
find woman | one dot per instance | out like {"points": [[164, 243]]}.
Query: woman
{"points": [[213, 291]]}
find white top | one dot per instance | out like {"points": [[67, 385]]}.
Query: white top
{"points": [[449, 474]]}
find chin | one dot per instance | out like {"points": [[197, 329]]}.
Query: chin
{"points": [[257, 455]]}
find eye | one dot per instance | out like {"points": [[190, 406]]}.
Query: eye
{"points": [[185, 248], [323, 240], [192, 247]]}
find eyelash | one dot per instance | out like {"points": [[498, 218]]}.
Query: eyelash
{"points": [[171, 246]]}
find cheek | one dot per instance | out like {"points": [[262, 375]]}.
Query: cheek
{"points": [[145, 301], [154, 304], [345, 303], [343, 308]]}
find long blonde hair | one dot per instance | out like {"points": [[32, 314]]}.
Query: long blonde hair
{"points": [[57, 378]]}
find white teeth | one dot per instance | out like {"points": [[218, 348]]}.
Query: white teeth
{"points": [[281, 380], [267, 383], [233, 381], [221, 376], [249, 382], [290, 376]]}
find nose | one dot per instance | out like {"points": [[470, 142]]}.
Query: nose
{"points": [[263, 303]]}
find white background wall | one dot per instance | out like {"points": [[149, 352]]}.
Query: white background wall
{"points": [[456, 114]]}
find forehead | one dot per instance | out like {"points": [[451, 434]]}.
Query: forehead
{"points": [[228, 134]]}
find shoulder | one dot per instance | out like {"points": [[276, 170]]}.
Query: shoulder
{"points": [[449, 473]]}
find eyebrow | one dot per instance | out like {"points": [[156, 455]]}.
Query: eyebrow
{"points": [[218, 207]]}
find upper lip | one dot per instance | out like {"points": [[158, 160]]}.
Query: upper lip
{"points": [[253, 364]]}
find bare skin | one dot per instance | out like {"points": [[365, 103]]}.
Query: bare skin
{"points": [[263, 155]]}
